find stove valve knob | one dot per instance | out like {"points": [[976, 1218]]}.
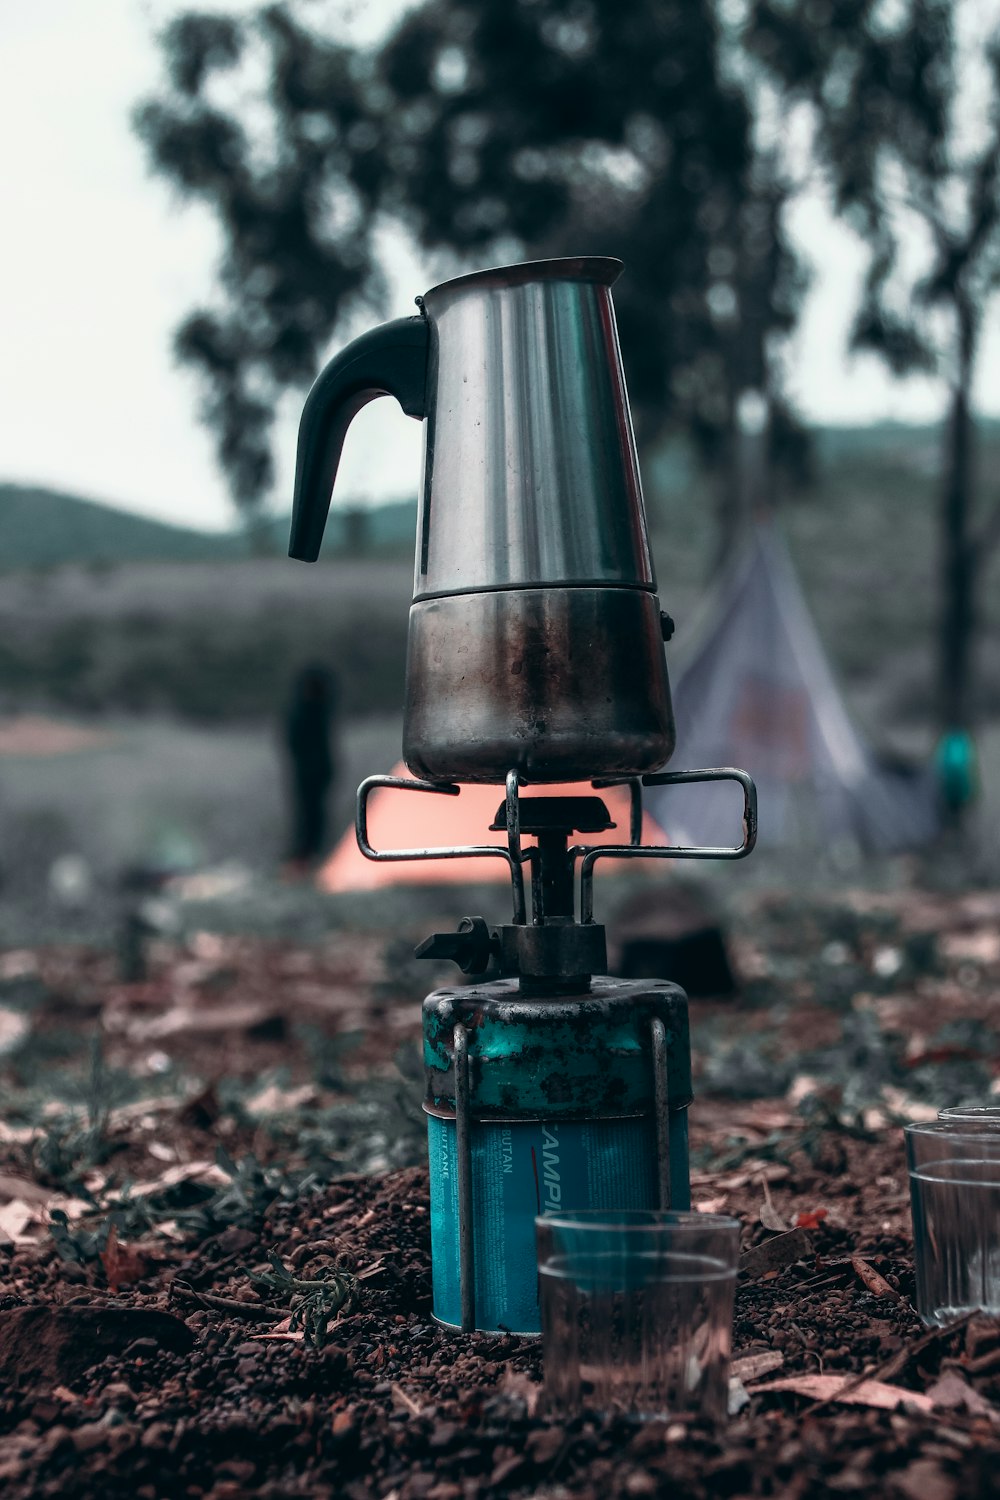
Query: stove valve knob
{"points": [[471, 947]]}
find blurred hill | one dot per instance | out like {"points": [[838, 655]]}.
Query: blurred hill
{"points": [[42, 528]]}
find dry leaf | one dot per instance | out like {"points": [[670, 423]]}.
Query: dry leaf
{"points": [[206, 1172], [905, 1108], [14, 1220], [519, 1385], [955, 1393], [771, 1171], [811, 1219], [774, 1255], [33, 734], [14, 1027], [22, 1188], [981, 947], [124, 1114], [711, 1205], [926, 1480], [202, 1020], [123, 1266], [374, 1269], [801, 1087], [753, 1366], [769, 1216], [835, 1388], [171, 1230], [19, 963], [768, 1116], [272, 1100], [73, 1208]]}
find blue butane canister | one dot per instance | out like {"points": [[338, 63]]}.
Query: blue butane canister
{"points": [[537, 1104]]}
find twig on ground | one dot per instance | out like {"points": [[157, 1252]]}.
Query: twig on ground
{"points": [[252, 1311], [404, 1400], [875, 1281]]}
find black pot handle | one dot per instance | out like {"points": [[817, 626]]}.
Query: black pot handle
{"points": [[390, 360]]}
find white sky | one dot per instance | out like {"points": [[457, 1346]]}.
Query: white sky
{"points": [[99, 262]]}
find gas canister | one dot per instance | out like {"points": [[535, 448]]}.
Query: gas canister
{"points": [[536, 1105]]}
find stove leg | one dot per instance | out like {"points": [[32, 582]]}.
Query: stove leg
{"points": [[680, 1176], [463, 1148], [661, 1109]]}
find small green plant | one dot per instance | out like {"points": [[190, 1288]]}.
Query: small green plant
{"points": [[312, 1303], [196, 1208], [70, 1146], [378, 1122], [248, 1195], [328, 1055], [81, 1243]]}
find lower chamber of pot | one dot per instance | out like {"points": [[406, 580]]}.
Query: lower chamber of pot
{"points": [[560, 684]]}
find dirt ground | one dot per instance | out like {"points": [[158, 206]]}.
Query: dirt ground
{"points": [[214, 1262]]}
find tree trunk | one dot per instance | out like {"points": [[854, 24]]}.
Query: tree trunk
{"points": [[744, 483], [958, 557], [727, 501]]}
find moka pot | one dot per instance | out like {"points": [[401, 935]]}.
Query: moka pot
{"points": [[535, 636]]}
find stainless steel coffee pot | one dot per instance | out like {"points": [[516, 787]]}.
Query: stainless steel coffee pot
{"points": [[535, 636]]}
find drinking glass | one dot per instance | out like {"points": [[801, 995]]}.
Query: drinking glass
{"points": [[955, 1197], [979, 1115], [637, 1312]]}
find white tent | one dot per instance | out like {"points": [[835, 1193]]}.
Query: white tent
{"points": [[758, 693]]}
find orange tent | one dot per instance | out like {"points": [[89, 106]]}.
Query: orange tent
{"points": [[405, 820]]}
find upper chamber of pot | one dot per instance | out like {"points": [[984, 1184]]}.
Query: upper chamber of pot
{"points": [[530, 475]]}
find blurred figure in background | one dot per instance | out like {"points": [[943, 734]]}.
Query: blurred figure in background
{"points": [[308, 743]]}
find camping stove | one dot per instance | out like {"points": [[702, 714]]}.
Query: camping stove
{"points": [[534, 655], [550, 1086]]}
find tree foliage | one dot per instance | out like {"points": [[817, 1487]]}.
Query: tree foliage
{"points": [[294, 199], [882, 97], [906, 102], [492, 129]]}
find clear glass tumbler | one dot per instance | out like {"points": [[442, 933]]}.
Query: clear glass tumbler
{"points": [[637, 1312], [955, 1197], [979, 1115]]}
